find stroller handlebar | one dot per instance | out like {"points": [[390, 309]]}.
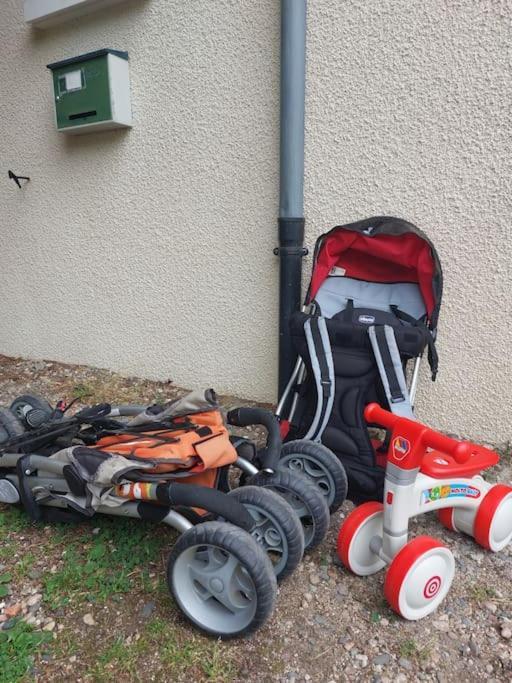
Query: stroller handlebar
{"points": [[245, 417]]}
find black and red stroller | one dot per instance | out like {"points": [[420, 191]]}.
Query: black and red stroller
{"points": [[372, 306]]}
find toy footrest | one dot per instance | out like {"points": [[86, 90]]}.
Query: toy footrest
{"points": [[441, 466]]}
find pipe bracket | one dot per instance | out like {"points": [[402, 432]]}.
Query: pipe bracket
{"points": [[291, 251]]}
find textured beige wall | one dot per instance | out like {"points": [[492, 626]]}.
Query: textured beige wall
{"points": [[150, 251]]}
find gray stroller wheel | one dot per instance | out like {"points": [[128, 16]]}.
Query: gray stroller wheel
{"points": [[307, 501], [320, 465], [10, 426], [32, 411], [277, 528], [222, 579]]}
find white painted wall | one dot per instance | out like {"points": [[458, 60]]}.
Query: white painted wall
{"points": [[150, 251]]}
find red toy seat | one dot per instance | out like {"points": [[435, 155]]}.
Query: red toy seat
{"points": [[442, 466]]}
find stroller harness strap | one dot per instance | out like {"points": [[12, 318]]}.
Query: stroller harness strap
{"points": [[320, 353], [433, 358], [389, 363]]}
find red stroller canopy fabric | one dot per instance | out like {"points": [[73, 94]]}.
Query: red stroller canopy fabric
{"points": [[382, 258]]}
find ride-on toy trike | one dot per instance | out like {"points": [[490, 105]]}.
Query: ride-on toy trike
{"points": [[425, 471]]}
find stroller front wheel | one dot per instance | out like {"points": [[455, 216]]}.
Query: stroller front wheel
{"points": [[10, 425], [277, 528], [221, 579], [320, 465], [307, 501]]}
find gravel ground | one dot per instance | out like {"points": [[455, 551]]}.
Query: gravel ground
{"points": [[328, 624]]}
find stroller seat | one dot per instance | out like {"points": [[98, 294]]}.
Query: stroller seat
{"points": [[336, 293]]}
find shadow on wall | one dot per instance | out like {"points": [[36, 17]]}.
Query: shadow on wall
{"points": [[90, 141], [128, 9]]}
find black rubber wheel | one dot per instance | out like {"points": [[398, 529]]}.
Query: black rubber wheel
{"points": [[320, 465], [10, 426], [307, 501], [32, 410], [277, 528], [222, 580]]}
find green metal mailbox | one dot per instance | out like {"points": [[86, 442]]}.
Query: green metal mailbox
{"points": [[92, 92]]}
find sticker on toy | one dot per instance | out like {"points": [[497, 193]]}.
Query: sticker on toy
{"points": [[401, 447], [449, 491]]}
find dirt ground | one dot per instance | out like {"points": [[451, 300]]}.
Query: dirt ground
{"points": [[97, 607]]}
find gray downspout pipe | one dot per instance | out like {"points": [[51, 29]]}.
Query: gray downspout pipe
{"points": [[291, 185]]}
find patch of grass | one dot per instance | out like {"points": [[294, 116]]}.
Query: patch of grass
{"points": [[423, 654], [117, 658], [324, 560], [408, 648], [199, 659], [217, 666], [115, 389], [4, 579], [115, 561], [18, 646], [505, 451], [12, 519], [24, 565], [179, 656], [481, 593], [65, 646], [82, 391]]}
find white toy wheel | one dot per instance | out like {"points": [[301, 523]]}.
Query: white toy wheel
{"points": [[362, 524], [492, 528], [419, 577]]}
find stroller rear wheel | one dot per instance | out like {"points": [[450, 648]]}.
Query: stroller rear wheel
{"points": [[222, 579], [319, 464], [307, 501], [32, 411], [277, 528]]}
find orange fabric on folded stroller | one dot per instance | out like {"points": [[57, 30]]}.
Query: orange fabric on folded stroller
{"points": [[202, 444]]}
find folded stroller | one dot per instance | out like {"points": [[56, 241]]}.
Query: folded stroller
{"points": [[164, 464], [187, 441], [372, 306]]}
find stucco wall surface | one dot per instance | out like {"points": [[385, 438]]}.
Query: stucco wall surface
{"points": [[150, 251]]}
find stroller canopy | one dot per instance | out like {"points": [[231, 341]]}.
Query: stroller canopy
{"points": [[381, 249]]}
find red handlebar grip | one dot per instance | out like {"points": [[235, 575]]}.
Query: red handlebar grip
{"points": [[374, 413], [459, 450]]}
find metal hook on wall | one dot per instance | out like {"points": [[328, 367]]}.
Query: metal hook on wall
{"points": [[17, 178]]}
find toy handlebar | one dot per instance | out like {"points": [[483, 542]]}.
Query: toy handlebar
{"points": [[244, 417], [374, 413], [460, 451]]}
